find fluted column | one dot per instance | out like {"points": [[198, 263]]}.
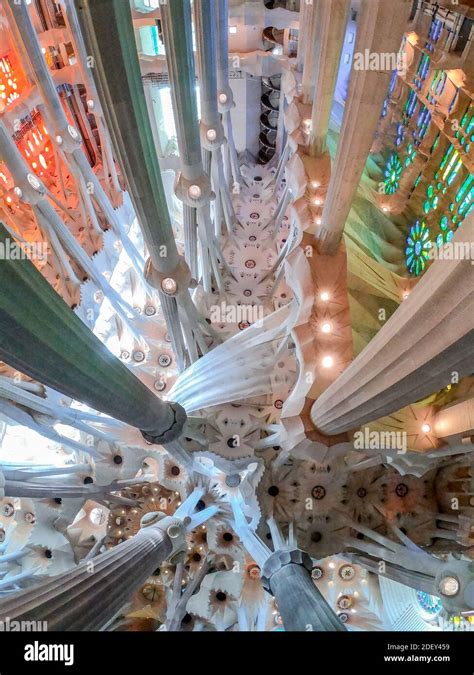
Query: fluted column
{"points": [[455, 420], [380, 29], [331, 20], [43, 338], [177, 33], [88, 596], [108, 32], [425, 345], [287, 575]]}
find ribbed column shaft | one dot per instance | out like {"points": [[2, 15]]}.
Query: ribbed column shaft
{"points": [[380, 28], [42, 337], [88, 596], [426, 343], [177, 32], [331, 20], [301, 605], [109, 36], [205, 23]]}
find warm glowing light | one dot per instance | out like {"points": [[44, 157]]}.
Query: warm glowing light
{"points": [[317, 201], [426, 428], [385, 209], [222, 98], [315, 184], [326, 327], [232, 29], [211, 135], [318, 221], [194, 191], [324, 296], [327, 362]]}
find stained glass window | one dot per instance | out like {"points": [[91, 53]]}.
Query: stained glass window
{"points": [[418, 245]]}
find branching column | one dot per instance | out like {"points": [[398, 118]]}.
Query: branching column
{"points": [[88, 596], [380, 28], [42, 337], [287, 575], [425, 345]]}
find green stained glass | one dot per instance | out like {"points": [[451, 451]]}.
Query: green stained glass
{"points": [[392, 173], [430, 191], [435, 202], [426, 206], [418, 245], [443, 223]]}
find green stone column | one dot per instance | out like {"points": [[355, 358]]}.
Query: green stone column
{"points": [[43, 338], [108, 33]]}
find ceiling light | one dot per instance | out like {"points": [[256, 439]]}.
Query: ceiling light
{"points": [[326, 327], [327, 361], [449, 586], [426, 428], [232, 29], [168, 286], [324, 296], [222, 98], [211, 135], [194, 191]]}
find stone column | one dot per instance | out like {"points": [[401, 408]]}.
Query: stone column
{"points": [[331, 20], [425, 345], [380, 29], [287, 576], [43, 338], [88, 596], [108, 33]]}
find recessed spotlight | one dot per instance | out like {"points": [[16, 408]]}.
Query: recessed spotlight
{"points": [[326, 327], [324, 296], [327, 361], [318, 221], [426, 428]]}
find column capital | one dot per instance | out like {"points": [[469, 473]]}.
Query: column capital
{"points": [[279, 559]]}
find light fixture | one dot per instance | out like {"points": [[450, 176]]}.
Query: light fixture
{"points": [[449, 586], [315, 184], [90, 104], [232, 29], [194, 191], [318, 221], [211, 135], [385, 209], [327, 361], [317, 201], [426, 428], [222, 98], [326, 327], [324, 296], [405, 294], [168, 286]]}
